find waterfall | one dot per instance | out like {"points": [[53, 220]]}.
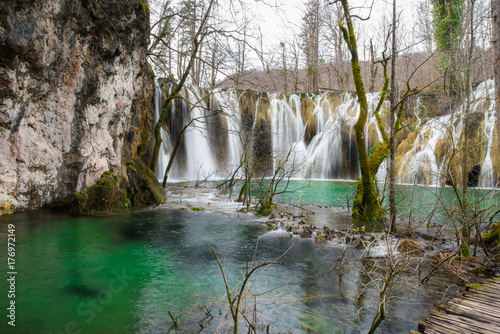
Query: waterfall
{"points": [[318, 130], [422, 165], [439, 138], [484, 91], [165, 148], [228, 103]]}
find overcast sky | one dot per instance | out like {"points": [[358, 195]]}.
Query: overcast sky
{"points": [[287, 14]]}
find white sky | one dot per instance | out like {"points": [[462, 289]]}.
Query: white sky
{"points": [[284, 21], [281, 20], [276, 22]]}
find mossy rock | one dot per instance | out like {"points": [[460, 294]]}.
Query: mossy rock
{"points": [[293, 105], [399, 160], [441, 148], [6, 207], [403, 148], [306, 106], [262, 108], [104, 196], [495, 157], [401, 135], [266, 207], [143, 186], [411, 137], [311, 129], [247, 101], [493, 236], [320, 239], [411, 248], [335, 99], [454, 175]]}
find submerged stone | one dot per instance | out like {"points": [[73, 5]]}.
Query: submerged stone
{"points": [[411, 248]]}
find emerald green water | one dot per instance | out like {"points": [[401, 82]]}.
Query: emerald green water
{"points": [[416, 202], [122, 273]]}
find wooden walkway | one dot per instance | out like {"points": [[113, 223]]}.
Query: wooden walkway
{"points": [[477, 311]]}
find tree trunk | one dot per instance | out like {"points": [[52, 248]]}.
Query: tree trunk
{"points": [[172, 156], [197, 40], [495, 11], [392, 146], [373, 69], [369, 205], [466, 225]]}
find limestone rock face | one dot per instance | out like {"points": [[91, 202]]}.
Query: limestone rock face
{"points": [[74, 96]]}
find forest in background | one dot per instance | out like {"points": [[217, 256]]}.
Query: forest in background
{"points": [[237, 52]]}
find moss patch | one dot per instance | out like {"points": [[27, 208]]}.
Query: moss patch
{"points": [[411, 137], [403, 148], [493, 236], [130, 164], [495, 157], [411, 248], [143, 187], [6, 207], [441, 148], [311, 129], [306, 106], [378, 154], [104, 196]]}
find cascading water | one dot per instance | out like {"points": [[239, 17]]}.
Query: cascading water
{"points": [[420, 164], [165, 148], [200, 160], [486, 91], [318, 129], [439, 138], [228, 104], [197, 158]]}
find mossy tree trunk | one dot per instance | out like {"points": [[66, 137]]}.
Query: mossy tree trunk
{"points": [[466, 224], [367, 202], [368, 206], [448, 32], [495, 13], [392, 137]]}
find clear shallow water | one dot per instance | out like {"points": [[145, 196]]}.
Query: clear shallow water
{"points": [[122, 274]]}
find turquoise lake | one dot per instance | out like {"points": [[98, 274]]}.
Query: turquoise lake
{"points": [[124, 272]]}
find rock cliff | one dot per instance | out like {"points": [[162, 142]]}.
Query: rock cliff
{"points": [[76, 97]]}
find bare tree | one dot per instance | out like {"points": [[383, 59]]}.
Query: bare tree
{"points": [[236, 295], [198, 38], [310, 37], [392, 144]]}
